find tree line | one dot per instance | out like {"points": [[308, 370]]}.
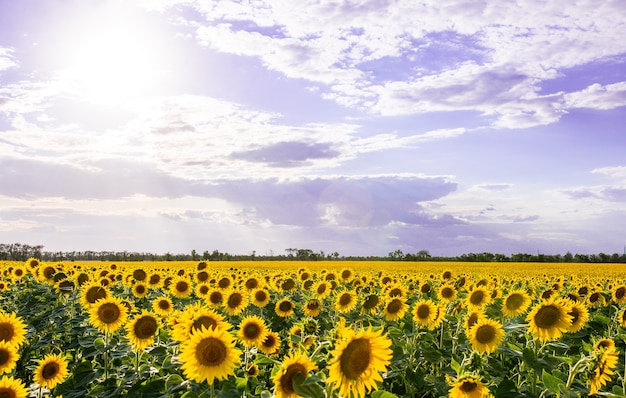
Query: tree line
{"points": [[21, 252]]}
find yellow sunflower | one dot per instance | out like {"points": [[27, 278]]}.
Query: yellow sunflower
{"points": [[370, 304], [486, 335], [181, 287], [297, 363], [321, 290], [140, 290], [8, 357], [252, 283], [619, 295], [345, 301], [92, 292], [202, 290], [424, 313], [580, 316], [312, 307], [252, 331], [224, 283], [260, 297], [478, 297], [622, 318], [357, 361], [270, 344], [215, 298], [12, 388], [447, 293], [472, 318], [548, 320], [162, 306], [468, 387], [209, 354], [141, 330], [515, 303], [12, 329], [194, 318], [395, 309], [284, 308], [604, 368], [235, 302], [107, 315], [50, 371]]}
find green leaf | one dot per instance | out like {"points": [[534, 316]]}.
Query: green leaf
{"points": [[99, 344], [506, 389], [306, 390], [383, 394], [455, 366], [551, 382]]}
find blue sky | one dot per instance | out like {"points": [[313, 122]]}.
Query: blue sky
{"points": [[360, 127]]}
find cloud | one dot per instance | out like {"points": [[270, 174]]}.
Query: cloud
{"points": [[288, 154], [7, 60], [598, 96]]}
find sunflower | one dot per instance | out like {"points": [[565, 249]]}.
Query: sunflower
{"points": [[252, 331], [622, 318], [619, 295], [202, 276], [215, 298], [605, 365], [395, 290], [395, 309], [486, 335], [284, 308], [357, 361], [202, 290], [13, 388], [140, 290], [549, 320], [50, 371], [478, 297], [252, 283], [140, 275], [181, 287], [580, 316], [321, 290], [604, 344], [108, 315], [468, 387], [225, 283], [18, 272], [209, 354], [297, 363], [312, 307], [515, 303], [472, 318], [235, 302], [270, 344], [446, 293], [195, 318], [424, 313], [141, 330], [260, 297], [370, 304], [345, 301], [12, 329], [252, 370], [8, 357], [162, 306], [92, 292]]}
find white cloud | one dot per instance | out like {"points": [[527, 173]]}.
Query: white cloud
{"points": [[7, 60], [598, 96]]}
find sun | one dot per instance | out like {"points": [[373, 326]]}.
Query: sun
{"points": [[112, 59]]}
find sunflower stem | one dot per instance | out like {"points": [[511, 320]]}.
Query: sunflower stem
{"points": [[106, 356]]}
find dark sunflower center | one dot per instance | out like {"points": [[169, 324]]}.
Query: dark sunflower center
{"points": [[7, 393], [204, 289], [252, 331], [48, 272], [423, 311], [394, 306], [355, 358], [260, 295], [594, 297], [154, 279], [205, 321], [6, 331], [234, 300], [547, 317], [286, 380], [620, 293], [313, 305], [145, 327], [288, 284], [477, 297], [471, 321], [139, 274], [50, 370], [345, 299], [468, 386], [203, 276], [447, 292], [485, 334], [269, 341], [395, 292], [514, 301], [425, 288], [370, 302], [95, 293], [211, 352], [284, 306], [164, 305], [346, 274], [182, 286], [575, 314], [252, 284], [108, 313], [447, 275], [4, 356], [321, 289], [140, 289], [215, 297], [224, 283]]}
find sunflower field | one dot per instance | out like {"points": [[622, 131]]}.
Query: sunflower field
{"points": [[311, 329]]}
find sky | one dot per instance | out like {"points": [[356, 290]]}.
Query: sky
{"points": [[358, 127]]}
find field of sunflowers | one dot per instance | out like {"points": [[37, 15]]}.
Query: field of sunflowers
{"points": [[311, 329]]}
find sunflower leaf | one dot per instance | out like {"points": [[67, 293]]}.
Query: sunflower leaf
{"points": [[304, 389], [383, 394], [551, 382]]}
